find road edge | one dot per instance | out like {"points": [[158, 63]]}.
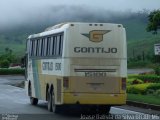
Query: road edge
{"points": [[143, 105]]}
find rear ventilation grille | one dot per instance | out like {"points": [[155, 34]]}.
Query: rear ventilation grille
{"points": [[95, 70]]}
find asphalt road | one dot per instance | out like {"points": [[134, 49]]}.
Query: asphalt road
{"points": [[14, 103], [138, 71]]}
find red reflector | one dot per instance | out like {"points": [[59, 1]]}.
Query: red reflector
{"points": [[123, 83]]}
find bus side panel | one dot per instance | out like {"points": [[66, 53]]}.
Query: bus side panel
{"points": [[36, 78], [30, 79], [57, 82], [50, 74]]}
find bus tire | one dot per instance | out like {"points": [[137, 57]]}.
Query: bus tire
{"points": [[55, 108], [49, 98], [33, 101], [29, 89]]}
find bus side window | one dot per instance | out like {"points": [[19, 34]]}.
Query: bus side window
{"points": [[61, 45], [48, 46], [32, 51], [40, 46], [37, 47], [51, 47], [45, 47], [57, 46], [55, 43]]}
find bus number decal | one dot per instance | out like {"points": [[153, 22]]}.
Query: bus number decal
{"points": [[47, 66], [95, 74], [58, 66]]}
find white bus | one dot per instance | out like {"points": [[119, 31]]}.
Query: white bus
{"points": [[81, 64]]}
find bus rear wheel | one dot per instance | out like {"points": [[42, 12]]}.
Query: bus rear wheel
{"points": [[49, 98], [55, 108], [33, 101]]}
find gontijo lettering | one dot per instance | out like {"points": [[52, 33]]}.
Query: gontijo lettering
{"points": [[94, 50]]}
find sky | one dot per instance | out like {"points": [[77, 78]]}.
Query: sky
{"points": [[14, 12], [16, 5]]}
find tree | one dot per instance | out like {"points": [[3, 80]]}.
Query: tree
{"points": [[154, 21], [7, 58], [4, 63]]}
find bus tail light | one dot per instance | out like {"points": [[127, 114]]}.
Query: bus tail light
{"points": [[66, 82], [123, 83]]}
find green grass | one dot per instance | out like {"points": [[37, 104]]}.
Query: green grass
{"points": [[16, 71], [144, 98]]}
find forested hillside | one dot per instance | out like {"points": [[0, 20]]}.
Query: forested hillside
{"points": [[138, 39]]}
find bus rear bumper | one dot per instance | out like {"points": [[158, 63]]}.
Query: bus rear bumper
{"points": [[95, 99]]}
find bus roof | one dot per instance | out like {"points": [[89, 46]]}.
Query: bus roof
{"points": [[62, 26]]}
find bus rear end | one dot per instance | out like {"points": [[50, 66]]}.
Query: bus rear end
{"points": [[95, 66]]}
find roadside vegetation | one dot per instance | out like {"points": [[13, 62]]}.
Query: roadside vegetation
{"points": [[10, 64], [15, 71], [144, 88], [7, 58], [150, 99]]}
